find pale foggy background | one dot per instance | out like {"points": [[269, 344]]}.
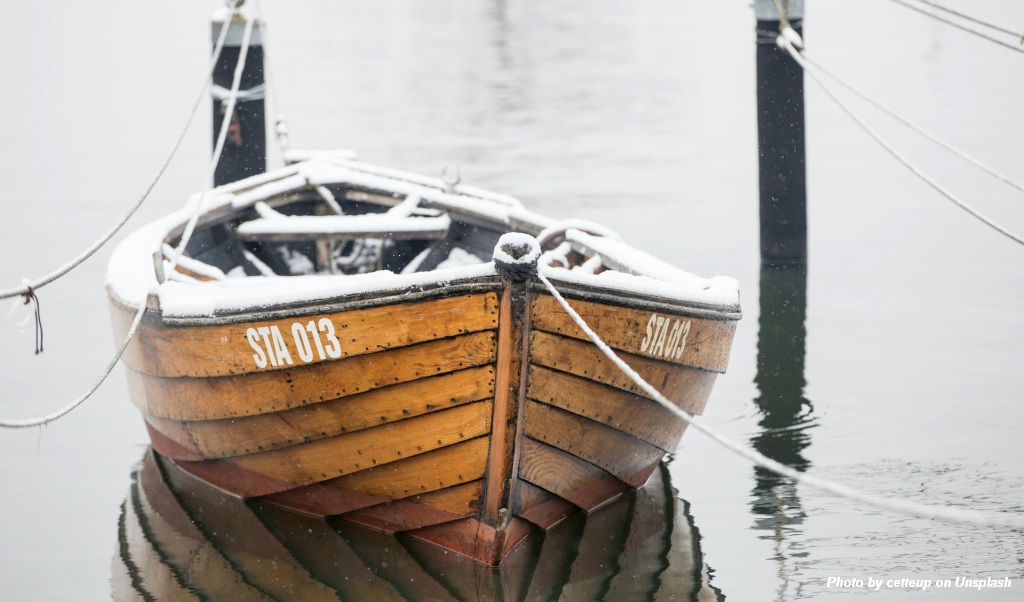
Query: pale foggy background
{"points": [[639, 115]]}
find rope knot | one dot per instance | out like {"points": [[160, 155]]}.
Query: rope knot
{"points": [[789, 38], [515, 256], [30, 297]]}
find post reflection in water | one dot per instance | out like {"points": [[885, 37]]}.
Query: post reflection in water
{"points": [[786, 415], [182, 539]]}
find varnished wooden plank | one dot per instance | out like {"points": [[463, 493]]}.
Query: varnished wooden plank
{"points": [[688, 387], [319, 500], [677, 338], [641, 476], [554, 470], [446, 467], [541, 507], [321, 460], [400, 516], [528, 495], [463, 499], [219, 350], [508, 397], [251, 394], [477, 540], [619, 453], [626, 412], [193, 274], [169, 447], [599, 493], [231, 478], [235, 436]]}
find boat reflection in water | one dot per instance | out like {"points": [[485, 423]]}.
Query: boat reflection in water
{"points": [[181, 539]]}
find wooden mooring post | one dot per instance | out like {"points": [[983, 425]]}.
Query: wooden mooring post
{"points": [[245, 150], [781, 142]]}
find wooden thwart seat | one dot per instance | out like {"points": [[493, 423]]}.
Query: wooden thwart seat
{"points": [[310, 228]]}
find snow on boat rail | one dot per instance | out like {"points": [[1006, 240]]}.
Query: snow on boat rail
{"points": [[420, 208]]}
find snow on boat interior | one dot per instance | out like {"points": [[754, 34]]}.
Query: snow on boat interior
{"points": [[346, 340]]}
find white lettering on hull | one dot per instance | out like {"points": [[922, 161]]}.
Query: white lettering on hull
{"points": [[665, 337], [314, 340]]}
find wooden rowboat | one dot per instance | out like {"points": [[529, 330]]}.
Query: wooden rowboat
{"points": [[337, 340], [180, 539]]}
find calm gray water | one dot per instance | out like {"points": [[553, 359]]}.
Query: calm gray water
{"points": [[900, 375]]}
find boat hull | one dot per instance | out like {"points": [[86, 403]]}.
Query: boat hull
{"points": [[465, 418]]}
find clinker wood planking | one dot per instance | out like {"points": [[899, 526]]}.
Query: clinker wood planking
{"points": [[220, 350], [344, 454], [681, 384], [236, 436], [707, 341], [266, 392]]}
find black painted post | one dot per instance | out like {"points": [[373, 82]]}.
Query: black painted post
{"points": [[245, 149], [781, 144]]}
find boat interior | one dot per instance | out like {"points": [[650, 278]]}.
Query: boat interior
{"points": [[340, 229]]}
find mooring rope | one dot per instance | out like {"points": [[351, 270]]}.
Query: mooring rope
{"points": [[186, 236], [44, 420], [975, 20], [74, 263], [786, 42], [280, 128], [30, 297], [218, 148], [783, 12], [962, 27], [912, 126], [957, 515]]}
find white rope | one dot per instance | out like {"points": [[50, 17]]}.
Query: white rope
{"points": [[783, 14], [958, 515], [787, 44], [186, 236], [919, 130], [58, 273], [280, 128], [254, 93], [218, 148], [959, 26], [43, 420], [975, 20]]}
